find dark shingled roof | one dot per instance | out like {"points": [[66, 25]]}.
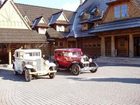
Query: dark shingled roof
{"points": [[35, 11], [52, 33], [36, 23], [20, 36], [54, 17], [117, 25], [87, 7]]}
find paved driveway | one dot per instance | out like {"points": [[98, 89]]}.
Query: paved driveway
{"points": [[110, 85]]}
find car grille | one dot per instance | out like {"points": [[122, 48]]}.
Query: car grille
{"points": [[86, 65]]}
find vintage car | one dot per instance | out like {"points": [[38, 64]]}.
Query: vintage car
{"points": [[73, 59], [30, 63]]}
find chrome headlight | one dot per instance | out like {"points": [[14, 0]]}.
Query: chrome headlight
{"points": [[46, 62], [90, 60], [82, 60], [34, 63]]}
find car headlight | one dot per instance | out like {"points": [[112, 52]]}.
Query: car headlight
{"points": [[82, 60], [34, 63], [46, 62], [90, 60]]}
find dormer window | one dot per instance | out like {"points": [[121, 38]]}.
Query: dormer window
{"points": [[121, 11], [60, 28], [95, 12], [85, 27], [85, 16]]}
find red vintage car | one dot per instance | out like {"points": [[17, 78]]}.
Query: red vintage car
{"points": [[73, 59]]}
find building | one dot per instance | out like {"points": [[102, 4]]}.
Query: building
{"points": [[54, 23], [98, 27], [15, 32], [120, 29], [26, 26], [85, 19], [108, 28]]}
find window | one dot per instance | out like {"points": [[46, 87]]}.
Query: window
{"points": [[117, 12], [124, 11], [42, 30], [60, 28], [85, 27], [85, 16], [33, 54], [121, 11], [56, 43]]}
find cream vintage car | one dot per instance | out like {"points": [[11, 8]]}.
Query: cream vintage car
{"points": [[30, 63]]}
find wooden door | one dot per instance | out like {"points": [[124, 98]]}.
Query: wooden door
{"points": [[137, 46], [3, 54], [108, 46], [122, 46], [71, 44]]}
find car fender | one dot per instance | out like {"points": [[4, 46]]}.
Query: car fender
{"points": [[52, 64], [49, 64], [76, 63], [14, 66], [96, 65], [28, 66]]}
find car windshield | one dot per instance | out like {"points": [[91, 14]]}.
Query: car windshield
{"points": [[72, 54], [31, 54]]}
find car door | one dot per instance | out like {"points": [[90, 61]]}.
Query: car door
{"points": [[18, 61]]}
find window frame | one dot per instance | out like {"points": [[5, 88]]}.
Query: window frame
{"points": [[121, 11]]}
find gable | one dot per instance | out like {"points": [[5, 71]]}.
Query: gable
{"points": [[62, 17], [132, 9], [10, 17], [42, 20]]}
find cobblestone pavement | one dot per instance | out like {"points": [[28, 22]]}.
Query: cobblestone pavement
{"points": [[110, 85]]}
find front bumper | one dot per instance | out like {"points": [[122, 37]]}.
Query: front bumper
{"points": [[88, 68], [42, 72]]}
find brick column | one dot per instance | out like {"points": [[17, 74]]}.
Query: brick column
{"points": [[131, 46], [102, 46], [113, 46]]}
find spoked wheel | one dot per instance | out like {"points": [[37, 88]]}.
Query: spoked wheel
{"points": [[15, 72], [75, 69], [52, 75], [94, 70], [28, 77]]}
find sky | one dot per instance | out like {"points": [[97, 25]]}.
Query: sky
{"points": [[60, 4]]}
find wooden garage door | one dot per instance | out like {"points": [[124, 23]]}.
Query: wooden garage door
{"points": [[122, 46]]}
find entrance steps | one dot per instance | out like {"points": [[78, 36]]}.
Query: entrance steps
{"points": [[118, 61]]}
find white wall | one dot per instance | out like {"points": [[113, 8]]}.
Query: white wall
{"points": [[10, 18], [42, 30]]}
